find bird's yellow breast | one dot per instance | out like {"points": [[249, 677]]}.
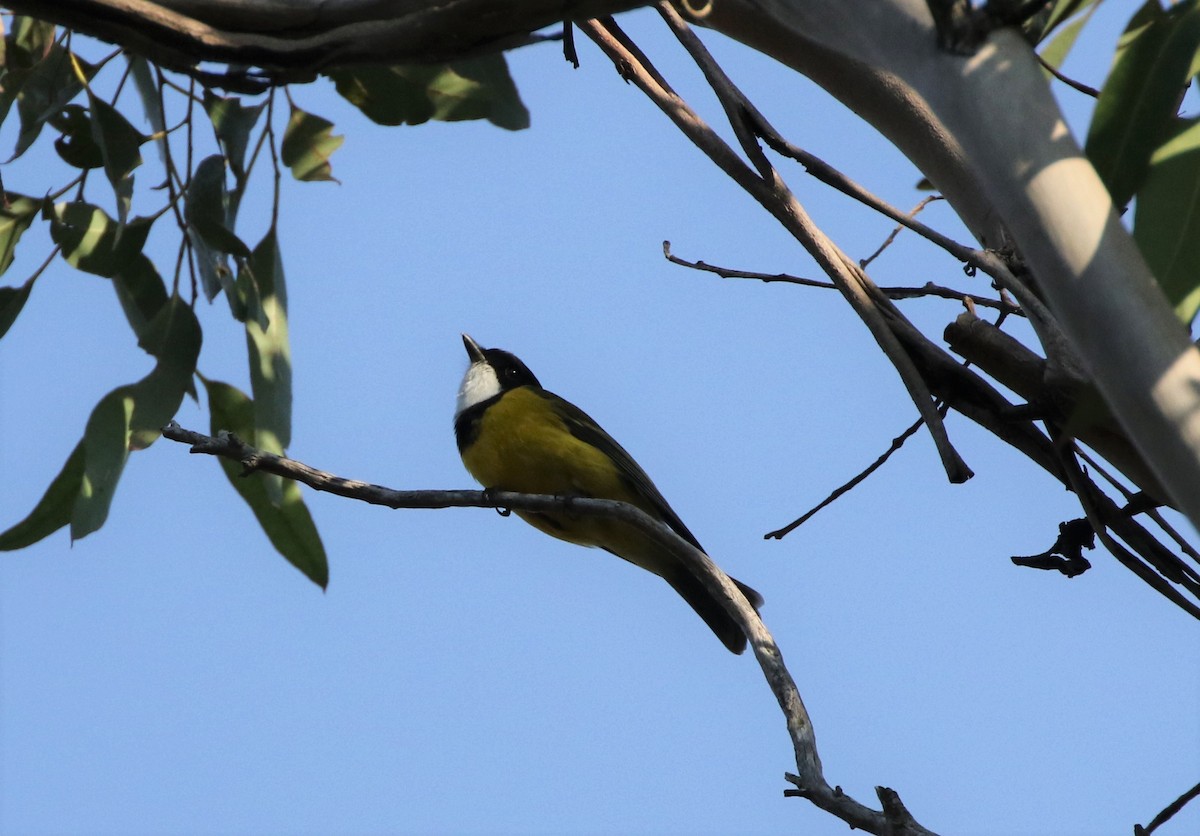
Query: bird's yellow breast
{"points": [[521, 444]]}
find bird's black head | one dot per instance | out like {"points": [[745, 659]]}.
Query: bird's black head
{"points": [[492, 372]]}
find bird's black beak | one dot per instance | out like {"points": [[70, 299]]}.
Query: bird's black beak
{"points": [[473, 349]]}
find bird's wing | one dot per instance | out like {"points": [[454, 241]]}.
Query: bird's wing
{"points": [[584, 427]]}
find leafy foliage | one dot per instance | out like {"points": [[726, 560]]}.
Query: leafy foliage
{"points": [[476, 88], [1143, 148], [208, 148], [308, 144]]}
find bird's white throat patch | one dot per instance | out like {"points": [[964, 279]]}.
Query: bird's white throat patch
{"points": [[478, 384]]}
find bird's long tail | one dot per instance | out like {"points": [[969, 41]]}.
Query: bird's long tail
{"points": [[710, 609]]}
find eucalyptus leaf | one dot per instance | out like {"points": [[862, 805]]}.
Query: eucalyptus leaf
{"points": [[1167, 219], [92, 241], [130, 417], [53, 510], [308, 143], [120, 145], [148, 92], [206, 210], [25, 44], [105, 445], [76, 145], [1055, 52], [287, 523], [1055, 14], [1141, 96], [12, 300], [174, 339], [232, 121], [269, 350], [47, 88], [15, 218], [141, 292], [476, 88], [206, 207]]}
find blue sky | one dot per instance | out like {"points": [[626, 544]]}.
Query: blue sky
{"points": [[465, 674]]}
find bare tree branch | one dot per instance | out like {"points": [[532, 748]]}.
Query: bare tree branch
{"points": [[811, 784], [772, 193], [1169, 811], [892, 292], [1023, 181], [294, 40], [1050, 384]]}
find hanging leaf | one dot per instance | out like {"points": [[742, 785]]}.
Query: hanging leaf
{"points": [[206, 205], [1167, 219], [120, 145], [141, 292], [26, 43], [92, 241], [174, 339], [76, 146], [127, 418], [130, 417], [53, 510], [232, 122], [12, 300], [269, 350], [287, 523], [148, 92], [15, 218], [44, 91], [477, 88], [308, 143], [206, 212], [105, 447], [387, 95], [1141, 96]]}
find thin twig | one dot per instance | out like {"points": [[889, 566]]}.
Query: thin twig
{"points": [[1169, 811], [1070, 82], [991, 263], [41, 268], [1006, 308], [887, 242], [896, 444]]}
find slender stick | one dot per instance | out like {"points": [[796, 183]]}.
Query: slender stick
{"points": [[811, 783]]}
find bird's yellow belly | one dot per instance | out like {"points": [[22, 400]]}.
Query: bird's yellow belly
{"points": [[523, 446]]}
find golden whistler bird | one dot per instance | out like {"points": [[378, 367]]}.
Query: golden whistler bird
{"points": [[514, 435]]}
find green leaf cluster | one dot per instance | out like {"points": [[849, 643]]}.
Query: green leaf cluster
{"points": [[1147, 152], [475, 88], [209, 148], [1144, 148]]}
